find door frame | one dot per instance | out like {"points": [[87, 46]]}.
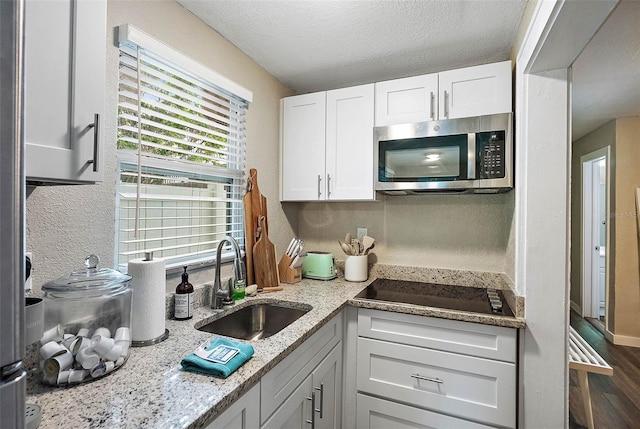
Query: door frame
{"points": [[554, 32], [589, 269]]}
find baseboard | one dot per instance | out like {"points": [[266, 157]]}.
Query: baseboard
{"points": [[576, 307], [623, 340], [609, 336]]}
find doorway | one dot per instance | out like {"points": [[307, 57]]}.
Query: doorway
{"points": [[595, 203]]}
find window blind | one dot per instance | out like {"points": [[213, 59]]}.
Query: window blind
{"points": [[181, 157]]}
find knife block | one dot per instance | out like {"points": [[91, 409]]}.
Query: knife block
{"points": [[288, 274]]}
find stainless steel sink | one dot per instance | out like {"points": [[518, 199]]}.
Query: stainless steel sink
{"points": [[255, 321]]}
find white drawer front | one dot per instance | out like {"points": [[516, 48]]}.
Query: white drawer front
{"points": [[285, 377], [474, 339], [473, 388], [375, 413]]}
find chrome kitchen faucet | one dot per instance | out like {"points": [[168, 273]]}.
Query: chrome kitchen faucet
{"points": [[219, 296]]}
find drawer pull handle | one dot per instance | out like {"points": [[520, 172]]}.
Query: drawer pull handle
{"points": [[319, 192], [96, 133], [422, 377], [312, 398], [321, 389]]}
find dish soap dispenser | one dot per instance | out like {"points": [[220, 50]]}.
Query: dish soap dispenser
{"points": [[239, 282], [184, 298]]}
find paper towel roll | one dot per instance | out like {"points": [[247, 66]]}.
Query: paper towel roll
{"points": [[148, 284]]}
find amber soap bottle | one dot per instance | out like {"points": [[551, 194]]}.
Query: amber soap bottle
{"points": [[184, 298]]}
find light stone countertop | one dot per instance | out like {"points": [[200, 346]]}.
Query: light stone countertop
{"points": [[151, 391]]}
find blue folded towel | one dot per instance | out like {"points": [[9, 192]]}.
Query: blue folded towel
{"points": [[195, 363]]}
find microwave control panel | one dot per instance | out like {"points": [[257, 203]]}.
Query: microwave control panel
{"points": [[491, 155]]}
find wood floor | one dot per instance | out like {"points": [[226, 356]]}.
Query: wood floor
{"points": [[615, 400]]}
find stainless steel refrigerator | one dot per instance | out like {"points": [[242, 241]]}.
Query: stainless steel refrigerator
{"points": [[12, 201]]}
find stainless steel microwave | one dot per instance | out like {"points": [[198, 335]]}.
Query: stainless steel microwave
{"points": [[467, 155]]}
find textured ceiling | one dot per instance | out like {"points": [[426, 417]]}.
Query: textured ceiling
{"points": [[315, 45]]}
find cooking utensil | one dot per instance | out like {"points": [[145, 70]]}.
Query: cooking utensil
{"points": [[345, 248], [367, 243], [291, 247], [298, 248], [263, 208], [347, 238], [355, 246], [255, 205], [264, 259], [256, 197], [298, 260]]}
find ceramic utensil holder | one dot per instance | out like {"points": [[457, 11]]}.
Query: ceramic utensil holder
{"points": [[356, 268], [286, 272]]}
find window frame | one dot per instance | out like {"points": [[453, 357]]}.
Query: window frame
{"points": [[136, 39]]}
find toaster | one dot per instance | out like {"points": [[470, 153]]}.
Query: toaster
{"points": [[319, 265]]}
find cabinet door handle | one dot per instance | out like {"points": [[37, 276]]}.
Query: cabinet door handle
{"points": [[328, 185], [422, 377], [321, 389], [446, 104], [96, 133], [313, 408], [432, 102], [319, 180]]}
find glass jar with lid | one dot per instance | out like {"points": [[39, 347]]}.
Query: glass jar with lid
{"points": [[87, 324]]}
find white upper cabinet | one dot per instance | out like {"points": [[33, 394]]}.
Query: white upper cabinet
{"points": [[327, 145], [327, 137], [64, 90], [475, 91], [303, 147], [349, 140], [461, 93], [408, 100]]}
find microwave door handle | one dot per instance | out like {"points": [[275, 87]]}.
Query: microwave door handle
{"points": [[432, 105], [471, 156], [446, 104]]}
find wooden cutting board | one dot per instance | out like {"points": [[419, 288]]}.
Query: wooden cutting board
{"points": [[264, 259], [257, 199], [255, 206]]}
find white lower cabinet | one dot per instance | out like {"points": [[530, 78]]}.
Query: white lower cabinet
{"points": [[316, 402], [294, 411], [305, 389], [376, 413], [326, 398], [434, 372], [242, 414], [407, 372]]}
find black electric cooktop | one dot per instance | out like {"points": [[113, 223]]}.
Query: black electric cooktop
{"points": [[460, 298]]}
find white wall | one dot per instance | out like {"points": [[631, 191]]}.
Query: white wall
{"points": [[557, 32], [66, 223]]}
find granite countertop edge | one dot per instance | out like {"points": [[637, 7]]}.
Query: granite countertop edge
{"points": [[151, 390]]}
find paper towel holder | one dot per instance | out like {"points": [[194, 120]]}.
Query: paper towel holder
{"points": [[151, 341], [148, 256]]}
